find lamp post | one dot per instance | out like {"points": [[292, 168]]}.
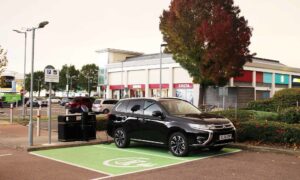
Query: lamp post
{"points": [[41, 25], [39, 80], [71, 78], [160, 69], [24, 89]]}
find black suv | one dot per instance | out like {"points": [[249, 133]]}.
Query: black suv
{"points": [[168, 121]]}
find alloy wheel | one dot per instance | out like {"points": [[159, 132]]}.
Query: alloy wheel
{"points": [[178, 145]]}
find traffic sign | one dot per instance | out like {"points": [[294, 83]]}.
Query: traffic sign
{"points": [[51, 75]]}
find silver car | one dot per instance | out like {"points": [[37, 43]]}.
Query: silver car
{"points": [[103, 105]]}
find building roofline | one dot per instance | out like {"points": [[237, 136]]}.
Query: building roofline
{"points": [[119, 51]]}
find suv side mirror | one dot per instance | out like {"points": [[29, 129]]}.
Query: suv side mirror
{"points": [[157, 114], [135, 108]]}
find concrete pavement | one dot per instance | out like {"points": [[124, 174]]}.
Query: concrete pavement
{"points": [[16, 136]]}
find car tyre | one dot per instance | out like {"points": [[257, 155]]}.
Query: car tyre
{"points": [[216, 148], [105, 111], [178, 144], [121, 139]]}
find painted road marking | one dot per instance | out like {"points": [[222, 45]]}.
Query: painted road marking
{"points": [[137, 152], [179, 163], [2, 155], [129, 162], [72, 164], [110, 160]]}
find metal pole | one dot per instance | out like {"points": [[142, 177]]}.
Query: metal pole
{"points": [[67, 81], [89, 86], [38, 122], [49, 114], [11, 112], [160, 73], [31, 91], [24, 78]]}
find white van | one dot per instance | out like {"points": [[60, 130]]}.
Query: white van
{"points": [[103, 105]]}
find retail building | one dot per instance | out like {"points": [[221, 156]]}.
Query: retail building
{"points": [[132, 74]]}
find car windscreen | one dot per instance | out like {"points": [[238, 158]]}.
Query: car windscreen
{"points": [[179, 107]]}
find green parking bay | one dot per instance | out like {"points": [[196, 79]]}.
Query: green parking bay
{"points": [[111, 160]]}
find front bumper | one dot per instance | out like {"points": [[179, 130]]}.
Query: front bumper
{"points": [[211, 138]]}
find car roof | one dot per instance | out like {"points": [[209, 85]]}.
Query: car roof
{"points": [[153, 98]]}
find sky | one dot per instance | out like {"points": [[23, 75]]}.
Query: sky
{"points": [[78, 28]]}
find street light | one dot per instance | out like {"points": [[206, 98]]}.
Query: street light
{"points": [[24, 89], [71, 78], [160, 69], [39, 80], [41, 25]]}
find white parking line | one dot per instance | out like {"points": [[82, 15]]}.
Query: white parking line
{"points": [[72, 164], [137, 152], [1, 155]]}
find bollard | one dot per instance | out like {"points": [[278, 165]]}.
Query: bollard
{"points": [[67, 113], [297, 103], [38, 122], [11, 113]]}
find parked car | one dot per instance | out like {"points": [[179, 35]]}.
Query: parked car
{"points": [[65, 100], [74, 105], [55, 100], [103, 105], [37, 103], [169, 122]]}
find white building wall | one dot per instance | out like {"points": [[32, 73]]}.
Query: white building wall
{"points": [[181, 76], [137, 77], [154, 76]]}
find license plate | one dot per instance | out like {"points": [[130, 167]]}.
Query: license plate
{"points": [[225, 136]]}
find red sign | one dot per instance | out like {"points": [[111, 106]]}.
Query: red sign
{"points": [[156, 86], [116, 87], [183, 86], [136, 86]]}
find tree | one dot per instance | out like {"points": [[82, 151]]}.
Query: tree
{"points": [[3, 59], [68, 75], [38, 82], [208, 38], [88, 77]]}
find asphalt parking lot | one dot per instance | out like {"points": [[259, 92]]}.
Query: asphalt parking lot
{"points": [[239, 165]]}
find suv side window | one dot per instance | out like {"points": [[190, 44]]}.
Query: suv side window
{"points": [[149, 107], [121, 106], [135, 103]]}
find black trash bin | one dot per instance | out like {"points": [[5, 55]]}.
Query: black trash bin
{"points": [[88, 126], [69, 128]]}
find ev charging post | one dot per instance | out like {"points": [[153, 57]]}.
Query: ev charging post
{"points": [[51, 76]]}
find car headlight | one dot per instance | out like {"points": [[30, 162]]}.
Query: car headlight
{"points": [[200, 126], [232, 125]]}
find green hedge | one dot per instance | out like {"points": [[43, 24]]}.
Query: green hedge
{"points": [[290, 115], [268, 131], [282, 99], [287, 98], [247, 115], [263, 105]]}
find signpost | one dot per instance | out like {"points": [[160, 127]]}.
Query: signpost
{"points": [[51, 75]]}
